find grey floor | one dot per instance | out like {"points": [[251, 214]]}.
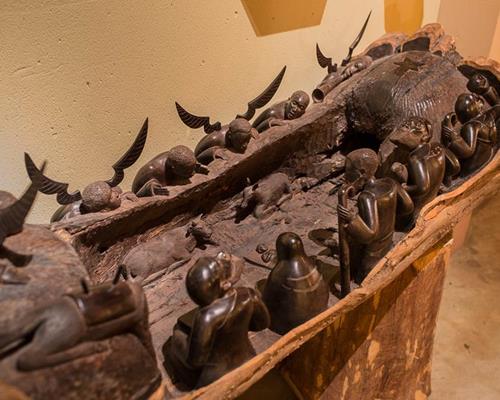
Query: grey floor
{"points": [[466, 363]]}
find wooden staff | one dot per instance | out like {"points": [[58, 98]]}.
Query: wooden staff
{"points": [[345, 262]]}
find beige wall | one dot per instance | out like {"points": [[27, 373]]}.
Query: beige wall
{"points": [[473, 24], [78, 77]]}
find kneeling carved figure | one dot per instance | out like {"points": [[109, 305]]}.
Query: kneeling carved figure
{"points": [[476, 142], [379, 202], [213, 339]]}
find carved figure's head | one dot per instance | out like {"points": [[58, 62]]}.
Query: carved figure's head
{"points": [[211, 277], [360, 165], [296, 105], [468, 106], [180, 162], [238, 135], [357, 65], [411, 133], [478, 84], [289, 245], [99, 196]]}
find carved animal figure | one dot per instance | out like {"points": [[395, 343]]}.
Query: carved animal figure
{"points": [[213, 339], [166, 251], [379, 202], [294, 291], [476, 142], [292, 108], [264, 196], [234, 136], [173, 167], [51, 334], [96, 197]]}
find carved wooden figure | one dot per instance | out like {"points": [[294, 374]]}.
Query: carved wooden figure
{"points": [[295, 290], [213, 339], [166, 251], [13, 212], [480, 85], [425, 166], [476, 142], [234, 136], [379, 202], [97, 196], [173, 167], [336, 76], [267, 194], [276, 115], [51, 333]]}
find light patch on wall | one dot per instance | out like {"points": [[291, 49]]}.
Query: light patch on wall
{"points": [[274, 16], [403, 15]]}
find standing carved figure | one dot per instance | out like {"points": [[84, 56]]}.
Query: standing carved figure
{"points": [[234, 136], [295, 290], [13, 212], [173, 167], [213, 339], [276, 115], [336, 76], [97, 196], [476, 142], [51, 334], [379, 202]]}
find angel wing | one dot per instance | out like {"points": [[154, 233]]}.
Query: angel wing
{"points": [[12, 217], [48, 186], [325, 62], [262, 99], [130, 157], [196, 122], [346, 60]]}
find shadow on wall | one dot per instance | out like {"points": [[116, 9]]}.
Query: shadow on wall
{"points": [[274, 16]]}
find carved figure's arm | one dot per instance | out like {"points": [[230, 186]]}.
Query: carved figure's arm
{"points": [[405, 203], [365, 230], [260, 316], [201, 340], [419, 175], [464, 146]]}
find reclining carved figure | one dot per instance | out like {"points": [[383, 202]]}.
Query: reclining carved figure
{"points": [[172, 167], [54, 333], [234, 136], [97, 196]]}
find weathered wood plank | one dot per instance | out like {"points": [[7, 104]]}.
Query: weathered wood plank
{"points": [[383, 347]]}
